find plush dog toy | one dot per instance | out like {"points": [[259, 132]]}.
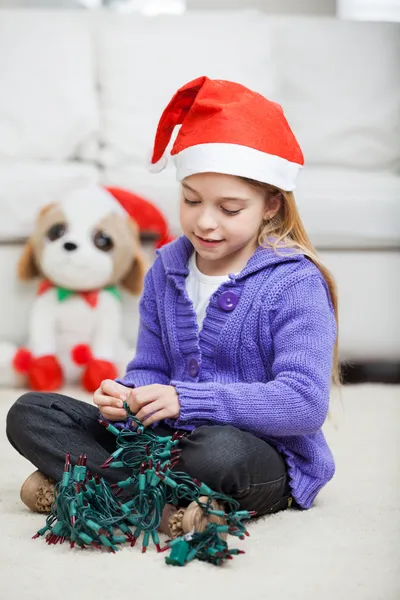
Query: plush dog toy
{"points": [[83, 248]]}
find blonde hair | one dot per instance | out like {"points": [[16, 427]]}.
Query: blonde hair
{"points": [[287, 230]]}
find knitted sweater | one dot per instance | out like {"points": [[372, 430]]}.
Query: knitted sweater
{"points": [[261, 362]]}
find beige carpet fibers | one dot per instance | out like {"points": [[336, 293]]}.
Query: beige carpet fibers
{"points": [[346, 547]]}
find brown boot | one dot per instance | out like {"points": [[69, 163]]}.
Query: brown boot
{"points": [[176, 522], [37, 492], [171, 521], [195, 519]]}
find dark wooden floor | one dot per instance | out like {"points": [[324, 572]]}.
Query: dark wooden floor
{"points": [[382, 372]]}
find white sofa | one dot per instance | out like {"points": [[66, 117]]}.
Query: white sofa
{"points": [[81, 93]]}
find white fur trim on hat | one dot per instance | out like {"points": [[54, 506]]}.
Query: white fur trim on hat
{"points": [[234, 159], [159, 166]]}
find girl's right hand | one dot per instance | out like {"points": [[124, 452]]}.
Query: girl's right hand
{"points": [[109, 398]]}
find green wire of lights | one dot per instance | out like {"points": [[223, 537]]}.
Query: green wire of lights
{"points": [[87, 512]]}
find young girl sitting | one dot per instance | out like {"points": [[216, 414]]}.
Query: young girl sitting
{"points": [[237, 341]]}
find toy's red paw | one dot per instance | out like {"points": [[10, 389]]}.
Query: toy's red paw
{"points": [[96, 371], [45, 374], [22, 360]]}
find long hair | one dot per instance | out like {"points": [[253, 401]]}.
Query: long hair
{"points": [[286, 229]]}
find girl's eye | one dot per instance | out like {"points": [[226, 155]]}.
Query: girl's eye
{"points": [[231, 212], [228, 212]]}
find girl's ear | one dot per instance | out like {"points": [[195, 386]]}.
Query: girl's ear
{"points": [[27, 268], [274, 203], [133, 280]]}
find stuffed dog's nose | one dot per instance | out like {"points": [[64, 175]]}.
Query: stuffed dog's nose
{"points": [[69, 246]]}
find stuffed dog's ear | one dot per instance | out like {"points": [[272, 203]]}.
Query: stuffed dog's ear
{"points": [[133, 280], [27, 268], [45, 209]]}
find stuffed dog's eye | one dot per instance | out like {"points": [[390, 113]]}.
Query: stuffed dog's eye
{"points": [[56, 231], [102, 241]]}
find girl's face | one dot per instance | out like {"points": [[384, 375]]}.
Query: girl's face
{"points": [[226, 208]]}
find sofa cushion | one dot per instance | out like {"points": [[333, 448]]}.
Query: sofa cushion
{"points": [[143, 61], [340, 208], [344, 208], [340, 88], [26, 187], [48, 103]]}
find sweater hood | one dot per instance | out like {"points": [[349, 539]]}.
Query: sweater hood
{"points": [[176, 254]]}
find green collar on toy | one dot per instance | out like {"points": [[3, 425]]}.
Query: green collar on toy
{"points": [[91, 296], [64, 294]]}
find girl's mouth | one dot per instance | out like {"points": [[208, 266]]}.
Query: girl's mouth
{"points": [[208, 244]]}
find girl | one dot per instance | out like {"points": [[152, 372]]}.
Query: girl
{"points": [[238, 324]]}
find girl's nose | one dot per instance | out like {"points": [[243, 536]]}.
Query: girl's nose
{"points": [[206, 221]]}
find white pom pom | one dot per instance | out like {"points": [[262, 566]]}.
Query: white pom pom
{"points": [[158, 166]]}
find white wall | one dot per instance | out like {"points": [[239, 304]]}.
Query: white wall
{"points": [[276, 6]]}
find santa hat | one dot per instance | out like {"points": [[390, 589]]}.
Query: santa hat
{"points": [[104, 200], [227, 128]]}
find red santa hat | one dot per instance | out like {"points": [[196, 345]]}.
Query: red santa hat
{"points": [[227, 128], [101, 201], [148, 217]]}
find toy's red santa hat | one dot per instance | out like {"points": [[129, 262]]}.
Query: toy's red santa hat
{"points": [[103, 200], [148, 217], [227, 128]]}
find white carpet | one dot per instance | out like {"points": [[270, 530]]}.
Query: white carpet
{"points": [[346, 547]]}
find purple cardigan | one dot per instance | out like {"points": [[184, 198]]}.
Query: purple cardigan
{"points": [[261, 362]]}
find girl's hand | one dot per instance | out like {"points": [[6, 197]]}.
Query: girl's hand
{"points": [[109, 397], [159, 401]]}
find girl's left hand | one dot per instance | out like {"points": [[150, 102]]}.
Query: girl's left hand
{"points": [[159, 401]]}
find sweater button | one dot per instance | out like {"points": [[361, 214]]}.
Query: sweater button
{"points": [[228, 300], [193, 367]]}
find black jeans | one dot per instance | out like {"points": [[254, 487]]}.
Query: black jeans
{"points": [[44, 426]]}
